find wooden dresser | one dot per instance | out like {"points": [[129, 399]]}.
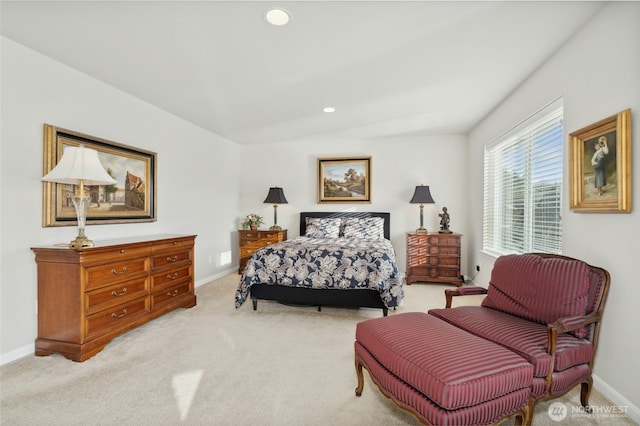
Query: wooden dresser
{"points": [[250, 241], [434, 257], [88, 296]]}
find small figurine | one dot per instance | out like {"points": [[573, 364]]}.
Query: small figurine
{"points": [[444, 222]]}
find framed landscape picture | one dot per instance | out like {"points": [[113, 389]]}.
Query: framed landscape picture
{"points": [[344, 180], [131, 199], [600, 166]]}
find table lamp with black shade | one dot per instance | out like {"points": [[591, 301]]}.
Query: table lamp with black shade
{"points": [[275, 197], [422, 196], [80, 166]]}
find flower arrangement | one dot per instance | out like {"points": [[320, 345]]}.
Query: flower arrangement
{"points": [[252, 221]]}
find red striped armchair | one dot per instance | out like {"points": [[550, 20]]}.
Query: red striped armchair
{"points": [[547, 309]]}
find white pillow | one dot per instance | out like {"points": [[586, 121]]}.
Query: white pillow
{"points": [[370, 228], [325, 227]]}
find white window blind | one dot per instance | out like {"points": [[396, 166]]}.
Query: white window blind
{"points": [[523, 187]]}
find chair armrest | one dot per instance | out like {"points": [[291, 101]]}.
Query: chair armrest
{"points": [[463, 291], [565, 325], [471, 289]]}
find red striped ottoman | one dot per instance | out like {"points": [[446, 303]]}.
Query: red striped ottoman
{"points": [[440, 373]]}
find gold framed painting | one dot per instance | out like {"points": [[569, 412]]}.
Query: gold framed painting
{"points": [[131, 199], [344, 180], [600, 166]]}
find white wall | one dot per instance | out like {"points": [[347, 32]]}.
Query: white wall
{"points": [[598, 73], [198, 177], [397, 166]]}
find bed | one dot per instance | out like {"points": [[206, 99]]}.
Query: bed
{"points": [[341, 259]]}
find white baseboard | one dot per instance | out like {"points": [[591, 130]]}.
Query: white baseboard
{"points": [[213, 277], [17, 354], [614, 396]]}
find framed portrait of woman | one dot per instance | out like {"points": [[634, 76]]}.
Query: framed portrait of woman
{"points": [[600, 166]]}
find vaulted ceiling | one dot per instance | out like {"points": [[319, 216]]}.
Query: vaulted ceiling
{"points": [[389, 68]]}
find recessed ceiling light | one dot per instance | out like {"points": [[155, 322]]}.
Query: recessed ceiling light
{"points": [[277, 17], [328, 109]]}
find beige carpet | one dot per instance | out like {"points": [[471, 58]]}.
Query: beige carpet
{"points": [[214, 365]]}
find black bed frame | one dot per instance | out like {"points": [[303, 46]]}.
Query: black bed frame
{"points": [[364, 298]]}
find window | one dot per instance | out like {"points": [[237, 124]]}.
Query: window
{"points": [[523, 186]]}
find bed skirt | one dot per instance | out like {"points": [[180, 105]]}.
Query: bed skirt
{"points": [[365, 298]]}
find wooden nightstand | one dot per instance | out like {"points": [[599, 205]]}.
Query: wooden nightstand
{"points": [[250, 241], [433, 257]]}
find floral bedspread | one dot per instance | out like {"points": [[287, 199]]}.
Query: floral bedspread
{"points": [[340, 263]]}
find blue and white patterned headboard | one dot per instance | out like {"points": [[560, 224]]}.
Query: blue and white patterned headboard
{"points": [[385, 216]]}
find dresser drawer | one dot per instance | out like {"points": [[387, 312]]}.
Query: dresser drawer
{"points": [[443, 261], [249, 249], [428, 271], [417, 251], [172, 245], [104, 297], [417, 240], [423, 271], [271, 236], [99, 276], [171, 258], [118, 316], [113, 255], [249, 236], [444, 240], [448, 272], [435, 271], [444, 250], [172, 276], [170, 294], [416, 260]]}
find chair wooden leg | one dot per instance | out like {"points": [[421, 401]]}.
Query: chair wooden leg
{"points": [[360, 377], [585, 391], [527, 413]]}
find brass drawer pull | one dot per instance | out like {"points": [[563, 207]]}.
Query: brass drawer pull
{"points": [[124, 269], [173, 276], [172, 259], [124, 312], [174, 293], [124, 291]]}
